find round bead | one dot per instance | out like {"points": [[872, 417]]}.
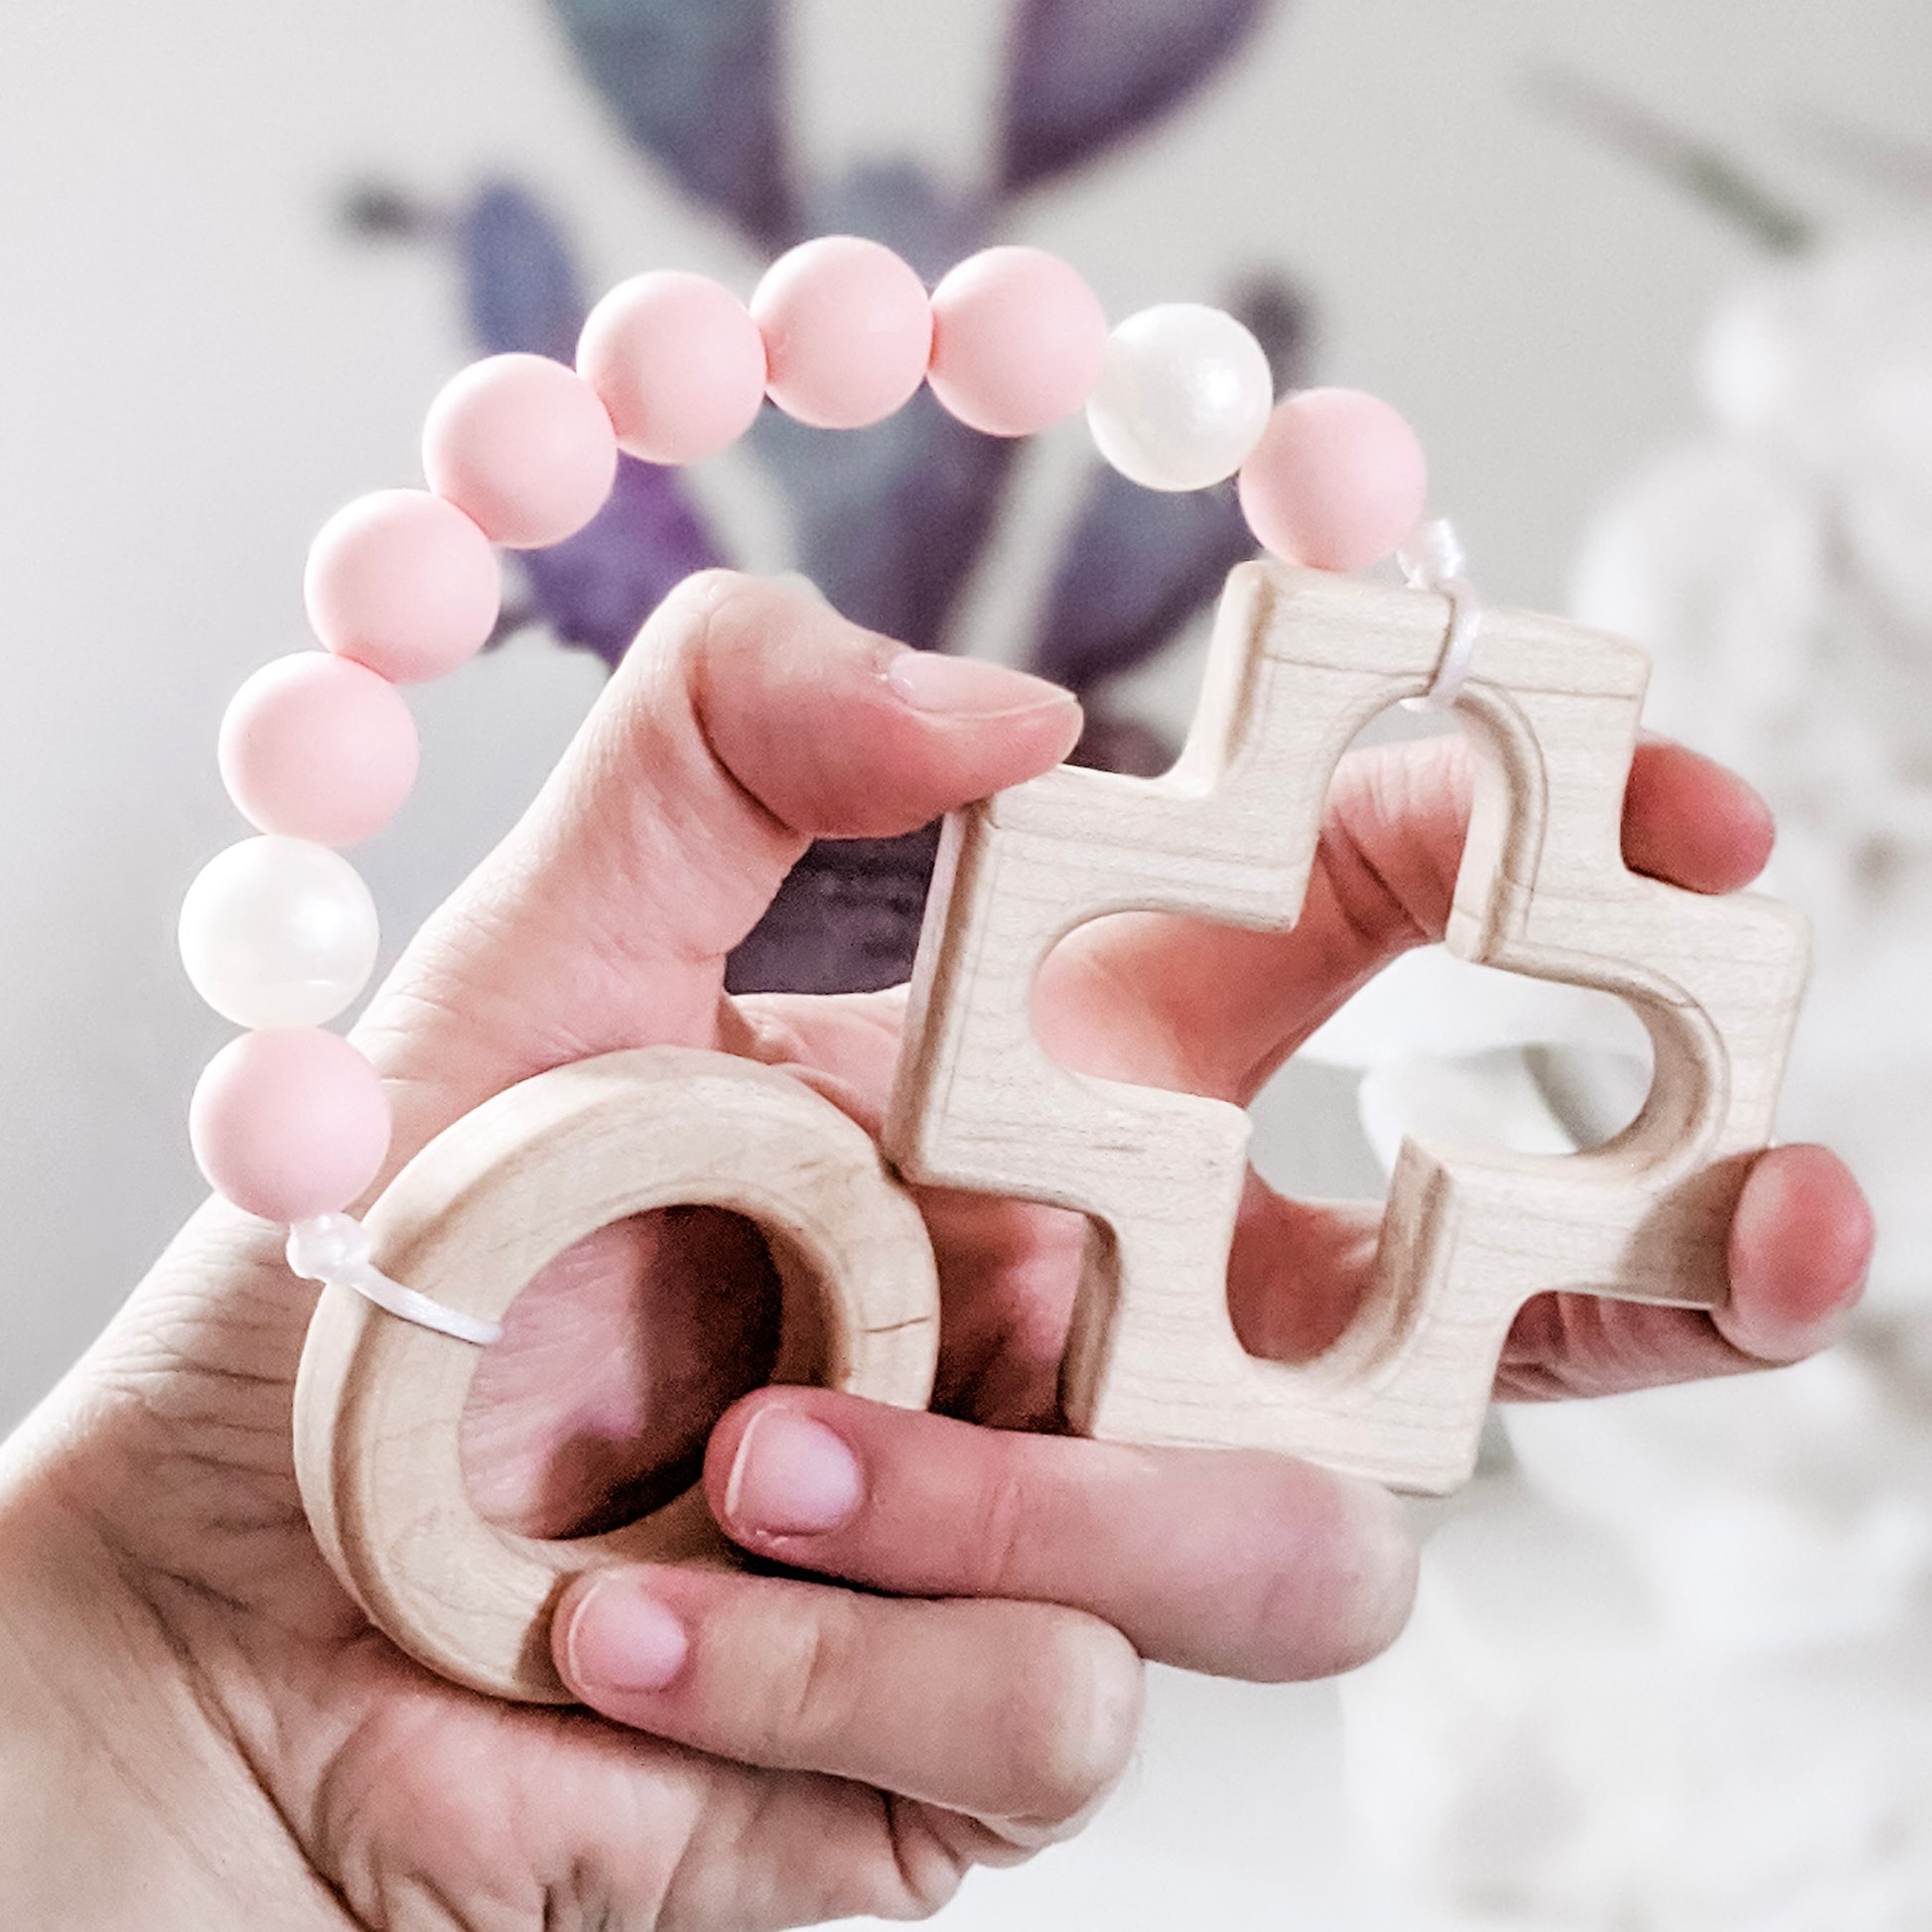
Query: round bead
{"points": [[523, 448], [318, 747], [403, 583], [290, 1124], [848, 332], [678, 364], [278, 932], [1018, 340], [1338, 480], [1183, 397]]}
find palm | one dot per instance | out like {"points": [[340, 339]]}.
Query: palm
{"points": [[395, 1785]]}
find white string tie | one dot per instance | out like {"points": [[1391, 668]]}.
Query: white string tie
{"points": [[336, 1249], [1433, 560]]}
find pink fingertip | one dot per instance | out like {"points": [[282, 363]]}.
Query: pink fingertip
{"points": [[677, 362], [1018, 339], [403, 583], [522, 446], [848, 332], [290, 1123], [1801, 1246], [318, 748], [1338, 480]]}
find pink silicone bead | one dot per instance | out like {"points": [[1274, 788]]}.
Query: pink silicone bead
{"points": [[290, 1123], [523, 448], [1338, 480], [848, 332], [318, 747], [678, 364], [1018, 340], [403, 583]]}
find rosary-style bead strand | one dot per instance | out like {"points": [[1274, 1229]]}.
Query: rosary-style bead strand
{"points": [[318, 749]]}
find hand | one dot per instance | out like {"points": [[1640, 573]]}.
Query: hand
{"points": [[212, 1707]]}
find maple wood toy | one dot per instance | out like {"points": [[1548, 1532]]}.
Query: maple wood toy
{"points": [[473, 1219], [318, 749], [1299, 661]]}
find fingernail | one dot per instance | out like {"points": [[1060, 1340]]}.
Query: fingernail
{"points": [[792, 1476], [622, 1639], [968, 687]]}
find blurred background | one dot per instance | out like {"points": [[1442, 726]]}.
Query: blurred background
{"points": [[1654, 282]]}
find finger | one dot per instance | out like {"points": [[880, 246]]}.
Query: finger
{"points": [[1020, 1712], [1241, 1564], [1691, 822], [1800, 1243], [747, 720], [1206, 1006]]}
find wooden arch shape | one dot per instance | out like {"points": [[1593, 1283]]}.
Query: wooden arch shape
{"points": [[1299, 661]]}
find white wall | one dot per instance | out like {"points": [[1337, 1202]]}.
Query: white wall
{"points": [[195, 369]]}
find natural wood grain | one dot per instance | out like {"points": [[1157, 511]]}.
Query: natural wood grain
{"points": [[474, 1217], [1299, 662]]}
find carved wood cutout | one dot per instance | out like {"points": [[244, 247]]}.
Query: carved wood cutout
{"points": [[474, 1217], [1299, 661]]}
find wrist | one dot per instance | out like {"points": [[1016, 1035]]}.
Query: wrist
{"points": [[126, 1804]]}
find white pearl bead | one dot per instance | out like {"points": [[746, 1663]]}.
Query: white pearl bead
{"points": [[1183, 397], [278, 932]]}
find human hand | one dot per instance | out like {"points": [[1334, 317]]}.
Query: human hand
{"points": [[811, 1751]]}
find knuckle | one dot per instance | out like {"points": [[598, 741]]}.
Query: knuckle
{"points": [[1075, 1716], [998, 1526], [1340, 1591], [815, 1673], [694, 602], [699, 618]]}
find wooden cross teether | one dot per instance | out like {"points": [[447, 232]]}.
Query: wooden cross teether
{"points": [[1299, 661]]}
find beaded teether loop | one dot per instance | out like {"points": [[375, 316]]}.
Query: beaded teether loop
{"points": [[318, 749]]}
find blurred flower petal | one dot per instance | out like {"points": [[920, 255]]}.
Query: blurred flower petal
{"points": [[897, 204], [697, 87], [890, 523], [1083, 76], [596, 589], [520, 279], [1139, 565], [846, 919]]}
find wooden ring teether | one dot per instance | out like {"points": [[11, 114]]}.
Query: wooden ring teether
{"points": [[474, 1217]]}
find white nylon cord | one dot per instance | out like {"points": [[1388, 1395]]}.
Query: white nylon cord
{"points": [[334, 1249], [1433, 560]]}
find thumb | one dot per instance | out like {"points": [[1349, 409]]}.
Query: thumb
{"points": [[747, 720]]}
